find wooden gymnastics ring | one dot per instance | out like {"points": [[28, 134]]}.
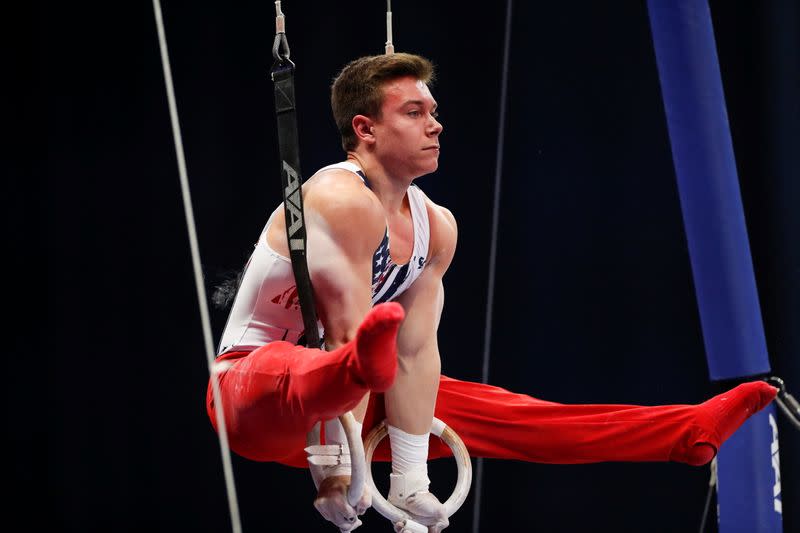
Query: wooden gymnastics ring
{"points": [[355, 449], [463, 482]]}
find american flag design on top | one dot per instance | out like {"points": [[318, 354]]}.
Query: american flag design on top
{"points": [[387, 277], [390, 280]]}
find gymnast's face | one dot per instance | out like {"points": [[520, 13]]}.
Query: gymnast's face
{"points": [[407, 133]]}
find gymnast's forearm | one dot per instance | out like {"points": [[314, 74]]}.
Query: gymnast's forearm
{"points": [[410, 402]]}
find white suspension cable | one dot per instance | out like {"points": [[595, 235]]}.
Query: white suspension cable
{"points": [[280, 18], [198, 273], [389, 44], [487, 338]]}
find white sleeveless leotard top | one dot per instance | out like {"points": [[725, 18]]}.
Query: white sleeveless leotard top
{"points": [[266, 307]]}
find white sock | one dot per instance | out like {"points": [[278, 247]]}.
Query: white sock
{"points": [[334, 434], [409, 452]]}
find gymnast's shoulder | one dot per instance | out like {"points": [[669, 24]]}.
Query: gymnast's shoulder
{"points": [[339, 198]]}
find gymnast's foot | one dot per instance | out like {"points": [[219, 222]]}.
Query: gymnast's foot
{"points": [[729, 411], [376, 346]]}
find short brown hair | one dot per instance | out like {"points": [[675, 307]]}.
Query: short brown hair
{"points": [[358, 88]]}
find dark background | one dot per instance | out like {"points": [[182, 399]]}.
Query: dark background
{"points": [[106, 373]]}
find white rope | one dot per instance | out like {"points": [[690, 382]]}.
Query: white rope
{"points": [[487, 339], [389, 43], [280, 18], [198, 273]]}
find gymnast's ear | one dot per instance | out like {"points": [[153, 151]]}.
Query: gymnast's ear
{"points": [[364, 128]]}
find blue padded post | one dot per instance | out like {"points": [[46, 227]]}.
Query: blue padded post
{"points": [[708, 185], [719, 251]]}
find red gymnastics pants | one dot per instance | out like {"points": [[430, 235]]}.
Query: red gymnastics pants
{"points": [[273, 395]]}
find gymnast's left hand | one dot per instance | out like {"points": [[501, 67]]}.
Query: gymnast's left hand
{"points": [[331, 502]]}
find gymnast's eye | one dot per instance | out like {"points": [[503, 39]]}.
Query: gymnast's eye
{"points": [[435, 113], [414, 113]]}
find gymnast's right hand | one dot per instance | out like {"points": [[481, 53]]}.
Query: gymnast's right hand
{"points": [[331, 502]]}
